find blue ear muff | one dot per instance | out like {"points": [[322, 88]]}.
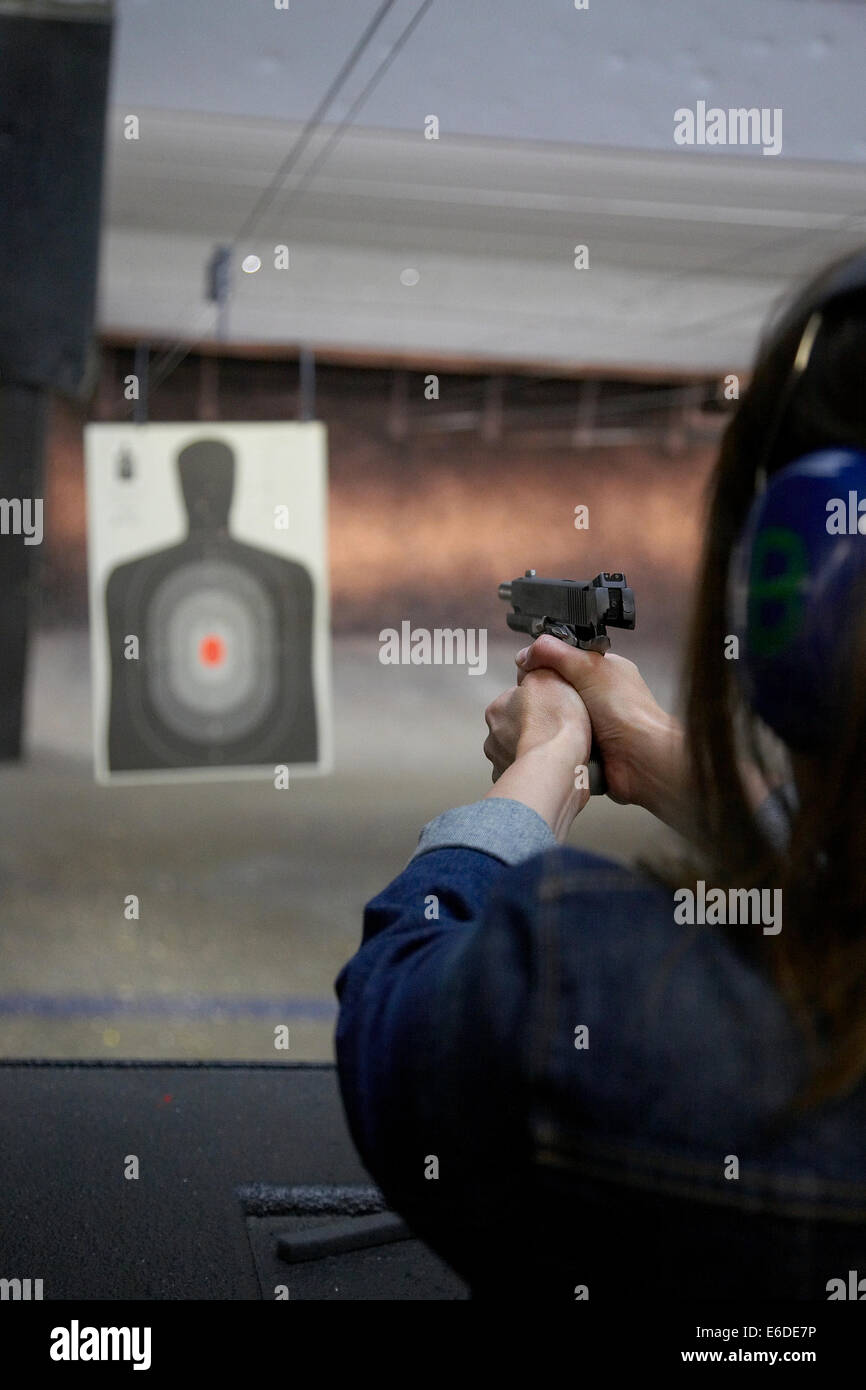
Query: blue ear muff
{"points": [[793, 594]]}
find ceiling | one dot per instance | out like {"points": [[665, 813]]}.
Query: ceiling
{"points": [[535, 70], [555, 130]]}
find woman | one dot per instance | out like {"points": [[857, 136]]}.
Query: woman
{"points": [[572, 1084]]}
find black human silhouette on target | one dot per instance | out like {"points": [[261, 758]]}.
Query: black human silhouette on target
{"points": [[224, 673]]}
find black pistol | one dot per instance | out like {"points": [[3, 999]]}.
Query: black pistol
{"points": [[576, 611]]}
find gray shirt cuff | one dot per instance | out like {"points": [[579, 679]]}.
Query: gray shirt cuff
{"points": [[506, 829]]}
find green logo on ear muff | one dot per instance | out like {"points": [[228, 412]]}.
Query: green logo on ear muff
{"points": [[776, 600]]}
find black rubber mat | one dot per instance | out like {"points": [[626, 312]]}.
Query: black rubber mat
{"points": [[234, 1160]]}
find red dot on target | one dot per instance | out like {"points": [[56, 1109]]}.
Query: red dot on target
{"points": [[211, 651]]}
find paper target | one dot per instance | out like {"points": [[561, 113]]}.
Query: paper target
{"points": [[208, 593]]}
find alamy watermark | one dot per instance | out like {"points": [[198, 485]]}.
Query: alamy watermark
{"points": [[739, 125], [846, 517], [851, 1288], [443, 646], [77, 1343], [20, 1290], [22, 517], [729, 907]]}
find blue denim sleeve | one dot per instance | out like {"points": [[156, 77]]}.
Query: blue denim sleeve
{"points": [[430, 1036], [497, 825]]}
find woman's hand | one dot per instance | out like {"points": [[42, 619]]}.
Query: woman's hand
{"points": [[539, 734], [539, 709], [641, 746]]}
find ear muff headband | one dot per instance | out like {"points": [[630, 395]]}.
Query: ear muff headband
{"points": [[794, 594], [796, 574]]}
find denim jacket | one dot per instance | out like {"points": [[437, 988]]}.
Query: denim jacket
{"points": [[569, 1095]]}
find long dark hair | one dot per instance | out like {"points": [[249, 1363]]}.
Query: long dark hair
{"points": [[818, 960]]}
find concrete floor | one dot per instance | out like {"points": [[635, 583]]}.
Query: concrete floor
{"points": [[250, 900]]}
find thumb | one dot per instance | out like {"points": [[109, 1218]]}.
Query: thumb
{"points": [[578, 667]]}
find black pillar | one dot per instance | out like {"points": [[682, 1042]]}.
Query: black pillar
{"points": [[23, 415], [54, 66]]}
